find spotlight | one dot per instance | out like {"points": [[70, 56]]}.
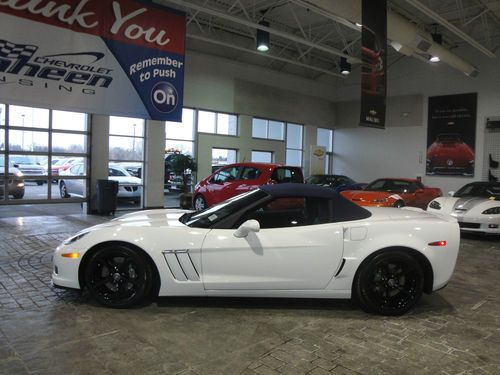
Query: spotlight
{"points": [[263, 38], [438, 38], [345, 67]]}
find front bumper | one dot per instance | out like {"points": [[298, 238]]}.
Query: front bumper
{"points": [[65, 270]]}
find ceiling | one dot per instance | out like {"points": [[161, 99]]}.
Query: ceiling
{"points": [[309, 36]]}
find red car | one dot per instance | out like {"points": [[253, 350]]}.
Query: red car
{"points": [[234, 179], [450, 155], [394, 192]]}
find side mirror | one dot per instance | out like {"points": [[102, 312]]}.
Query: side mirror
{"points": [[247, 227], [451, 193]]}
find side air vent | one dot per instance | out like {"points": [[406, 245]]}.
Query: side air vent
{"points": [[181, 265]]}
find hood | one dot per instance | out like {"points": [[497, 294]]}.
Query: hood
{"points": [[148, 218], [466, 203], [126, 180]]}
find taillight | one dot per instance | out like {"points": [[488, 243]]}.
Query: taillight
{"points": [[437, 243]]}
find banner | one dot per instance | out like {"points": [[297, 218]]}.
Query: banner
{"points": [[373, 68], [97, 56], [451, 135]]}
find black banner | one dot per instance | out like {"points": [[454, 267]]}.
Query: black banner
{"points": [[373, 68], [451, 135]]}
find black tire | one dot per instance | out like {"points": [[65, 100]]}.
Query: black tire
{"points": [[63, 190], [389, 283], [199, 203], [18, 194], [39, 183], [118, 277], [399, 204]]}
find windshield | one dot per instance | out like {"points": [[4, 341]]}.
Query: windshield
{"points": [[219, 211], [397, 186], [482, 191]]}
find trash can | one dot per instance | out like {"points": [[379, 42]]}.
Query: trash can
{"points": [[107, 193]]}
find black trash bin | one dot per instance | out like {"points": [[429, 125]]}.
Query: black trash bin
{"points": [[107, 193]]}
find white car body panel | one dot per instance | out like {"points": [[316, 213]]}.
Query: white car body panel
{"points": [[469, 210], [284, 262]]}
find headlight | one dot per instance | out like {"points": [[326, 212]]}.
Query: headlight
{"points": [[379, 200], [435, 205], [18, 174], [196, 186], [492, 211], [75, 238]]}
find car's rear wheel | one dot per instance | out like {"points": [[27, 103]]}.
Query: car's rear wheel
{"points": [[63, 190], [199, 203], [39, 183], [118, 277], [18, 194], [399, 204], [389, 283]]}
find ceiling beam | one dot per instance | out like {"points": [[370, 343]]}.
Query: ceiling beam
{"points": [[436, 17], [255, 25], [266, 55]]}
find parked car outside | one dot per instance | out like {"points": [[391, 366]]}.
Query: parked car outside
{"points": [[394, 192], [234, 179], [449, 154], [28, 166], [64, 164], [286, 240], [476, 206], [335, 181], [15, 182], [129, 187]]}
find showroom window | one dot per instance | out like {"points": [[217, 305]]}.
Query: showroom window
{"points": [[262, 156], [217, 123], [223, 156], [325, 138], [126, 159], [268, 129], [180, 135], [294, 144], [37, 149]]}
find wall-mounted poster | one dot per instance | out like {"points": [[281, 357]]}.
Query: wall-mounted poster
{"points": [[451, 135], [109, 57]]}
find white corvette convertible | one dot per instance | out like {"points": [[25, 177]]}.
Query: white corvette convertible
{"points": [[476, 207], [288, 240]]}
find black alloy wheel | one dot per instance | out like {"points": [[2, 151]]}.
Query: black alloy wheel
{"points": [[118, 277], [199, 203], [63, 190], [390, 283]]}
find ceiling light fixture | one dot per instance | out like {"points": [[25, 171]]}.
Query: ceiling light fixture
{"points": [[345, 66], [438, 38], [263, 38]]}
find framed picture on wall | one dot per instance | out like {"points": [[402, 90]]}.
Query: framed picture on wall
{"points": [[451, 135]]}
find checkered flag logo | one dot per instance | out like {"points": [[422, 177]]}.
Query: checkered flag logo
{"points": [[15, 51]]}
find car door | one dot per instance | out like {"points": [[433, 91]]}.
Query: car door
{"points": [[295, 248], [222, 184]]}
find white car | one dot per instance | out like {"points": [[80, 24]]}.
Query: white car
{"points": [[129, 187], [286, 240], [476, 207]]}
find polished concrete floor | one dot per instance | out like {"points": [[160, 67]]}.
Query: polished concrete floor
{"points": [[48, 331]]}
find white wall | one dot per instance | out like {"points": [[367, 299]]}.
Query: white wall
{"points": [[365, 153]]}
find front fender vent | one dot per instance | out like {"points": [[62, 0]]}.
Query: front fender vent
{"points": [[181, 265]]}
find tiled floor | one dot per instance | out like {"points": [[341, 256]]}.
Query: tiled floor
{"points": [[48, 331]]}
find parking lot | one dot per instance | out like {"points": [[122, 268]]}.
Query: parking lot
{"points": [[454, 331]]}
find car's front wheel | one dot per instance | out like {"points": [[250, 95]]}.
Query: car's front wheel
{"points": [[118, 277], [389, 283], [399, 204], [199, 203], [63, 190]]}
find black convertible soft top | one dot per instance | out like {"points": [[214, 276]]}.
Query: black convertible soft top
{"points": [[344, 209]]}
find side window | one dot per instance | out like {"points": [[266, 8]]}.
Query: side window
{"points": [[226, 175], [283, 175], [250, 173], [292, 212]]}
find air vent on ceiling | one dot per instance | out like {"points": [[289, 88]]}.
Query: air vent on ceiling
{"points": [[422, 44]]}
